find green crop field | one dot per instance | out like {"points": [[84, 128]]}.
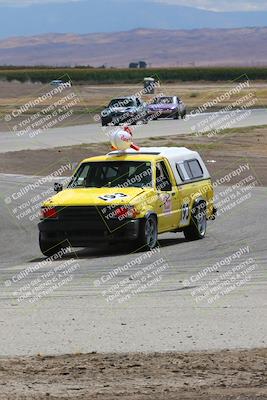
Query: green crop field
{"points": [[94, 75]]}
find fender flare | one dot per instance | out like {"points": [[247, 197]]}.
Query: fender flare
{"points": [[197, 202]]}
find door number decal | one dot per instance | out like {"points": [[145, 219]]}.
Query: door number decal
{"points": [[185, 214]]}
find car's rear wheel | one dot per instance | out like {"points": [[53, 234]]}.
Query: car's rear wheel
{"points": [[198, 223], [148, 233]]}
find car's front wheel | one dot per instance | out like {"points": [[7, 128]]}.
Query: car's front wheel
{"points": [[49, 248], [148, 233], [183, 114], [198, 223]]}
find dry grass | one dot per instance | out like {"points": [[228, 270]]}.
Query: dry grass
{"points": [[96, 97]]}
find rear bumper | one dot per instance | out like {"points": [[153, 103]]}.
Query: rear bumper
{"points": [[80, 234]]}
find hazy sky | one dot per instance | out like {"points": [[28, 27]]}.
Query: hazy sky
{"points": [[221, 5], [33, 17], [213, 5]]}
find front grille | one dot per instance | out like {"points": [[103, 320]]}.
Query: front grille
{"points": [[83, 213], [88, 218], [121, 115]]}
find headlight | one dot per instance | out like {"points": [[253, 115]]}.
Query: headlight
{"points": [[126, 212]]}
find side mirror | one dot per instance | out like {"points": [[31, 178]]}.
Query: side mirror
{"points": [[58, 187]]}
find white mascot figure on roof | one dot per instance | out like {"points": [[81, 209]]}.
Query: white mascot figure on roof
{"points": [[122, 139]]}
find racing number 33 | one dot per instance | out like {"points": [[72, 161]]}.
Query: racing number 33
{"points": [[114, 196]]}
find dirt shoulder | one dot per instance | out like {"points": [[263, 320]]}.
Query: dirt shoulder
{"points": [[220, 375], [223, 153]]}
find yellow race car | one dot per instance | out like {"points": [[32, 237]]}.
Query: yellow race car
{"points": [[129, 196]]}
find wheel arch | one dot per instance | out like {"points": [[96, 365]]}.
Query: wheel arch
{"points": [[197, 202], [151, 214]]}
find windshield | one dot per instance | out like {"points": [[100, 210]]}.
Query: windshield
{"points": [[113, 174], [121, 103], [163, 100]]}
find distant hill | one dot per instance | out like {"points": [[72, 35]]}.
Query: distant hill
{"points": [[242, 46]]}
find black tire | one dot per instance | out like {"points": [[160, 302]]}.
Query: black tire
{"points": [[148, 233], [198, 224], [49, 248], [176, 115], [183, 115]]}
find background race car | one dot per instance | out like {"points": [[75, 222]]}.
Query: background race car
{"points": [[166, 106], [124, 109]]}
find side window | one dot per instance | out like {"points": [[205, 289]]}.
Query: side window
{"points": [[163, 181], [179, 168], [189, 170], [195, 168]]}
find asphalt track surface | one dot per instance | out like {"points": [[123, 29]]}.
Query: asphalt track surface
{"points": [[94, 133], [76, 317]]}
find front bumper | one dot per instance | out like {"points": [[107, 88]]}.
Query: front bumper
{"points": [[81, 232], [162, 113], [120, 118], [106, 120]]}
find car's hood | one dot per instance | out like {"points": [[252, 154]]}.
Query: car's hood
{"points": [[94, 196], [162, 106]]}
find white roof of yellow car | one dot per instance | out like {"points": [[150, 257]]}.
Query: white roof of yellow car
{"points": [[168, 152], [174, 155]]}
